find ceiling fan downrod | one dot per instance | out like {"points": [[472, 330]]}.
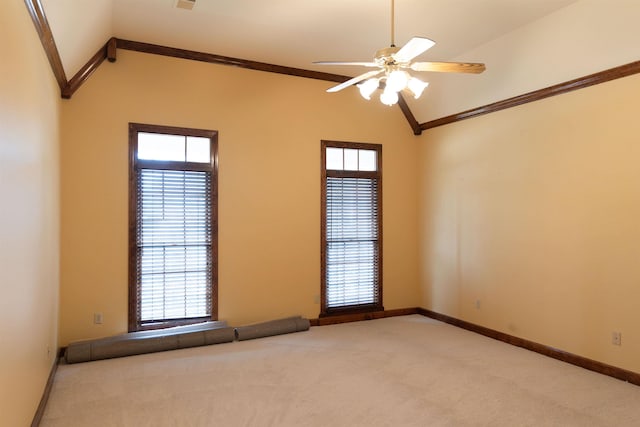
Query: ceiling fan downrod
{"points": [[393, 42]]}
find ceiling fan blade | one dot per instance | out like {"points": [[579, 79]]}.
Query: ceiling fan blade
{"points": [[362, 64], [413, 48], [354, 80], [449, 67]]}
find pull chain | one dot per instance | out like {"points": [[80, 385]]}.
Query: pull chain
{"points": [[393, 42]]}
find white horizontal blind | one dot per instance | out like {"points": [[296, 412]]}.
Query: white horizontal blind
{"points": [[174, 238], [351, 242]]}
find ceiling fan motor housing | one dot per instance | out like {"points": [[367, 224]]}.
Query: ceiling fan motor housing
{"points": [[385, 57]]}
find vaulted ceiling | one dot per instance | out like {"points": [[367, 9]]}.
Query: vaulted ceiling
{"points": [[295, 33]]}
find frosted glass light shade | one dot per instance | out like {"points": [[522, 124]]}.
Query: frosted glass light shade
{"points": [[389, 97], [417, 86], [368, 87], [397, 80]]}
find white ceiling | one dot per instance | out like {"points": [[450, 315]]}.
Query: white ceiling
{"points": [[290, 32]]}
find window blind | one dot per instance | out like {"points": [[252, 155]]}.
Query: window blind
{"points": [[352, 248], [174, 244]]}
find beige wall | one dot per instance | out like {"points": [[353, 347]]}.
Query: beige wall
{"points": [[534, 212], [270, 127], [29, 244]]}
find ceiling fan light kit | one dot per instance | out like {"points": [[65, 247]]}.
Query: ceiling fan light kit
{"points": [[389, 97], [393, 62], [417, 86], [368, 87]]}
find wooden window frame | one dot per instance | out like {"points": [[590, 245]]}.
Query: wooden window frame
{"points": [[353, 309], [134, 164]]}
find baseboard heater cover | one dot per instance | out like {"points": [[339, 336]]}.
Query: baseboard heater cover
{"points": [[273, 327], [150, 342]]}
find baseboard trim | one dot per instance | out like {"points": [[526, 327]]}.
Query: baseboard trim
{"points": [[574, 359], [357, 317], [37, 418]]}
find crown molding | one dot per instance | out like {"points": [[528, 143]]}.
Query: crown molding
{"points": [[46, 38], [85, 72], [558, 89], [226, 60], [415, 126], [108, 51]]}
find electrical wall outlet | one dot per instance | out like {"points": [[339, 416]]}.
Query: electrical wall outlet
{"points": [[316, 299], [97, 318], [616, 338], [185, 4], [477, 304]]}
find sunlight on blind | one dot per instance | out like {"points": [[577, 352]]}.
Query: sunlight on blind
{"points": [[174, 240], [352, 234]]}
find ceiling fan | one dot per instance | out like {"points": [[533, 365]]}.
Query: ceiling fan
{"points": [[392, 63]]}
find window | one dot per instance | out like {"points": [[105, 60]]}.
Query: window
{"points": [[172, 226], [351, 227]]}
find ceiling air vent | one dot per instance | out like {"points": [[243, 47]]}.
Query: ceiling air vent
{"points": [[186, 4]]}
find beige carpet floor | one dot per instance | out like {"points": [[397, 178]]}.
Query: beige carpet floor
{"points": [[401, 371]]}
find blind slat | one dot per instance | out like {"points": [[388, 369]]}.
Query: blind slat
{"points": [[352, 251], [174, 237]]}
